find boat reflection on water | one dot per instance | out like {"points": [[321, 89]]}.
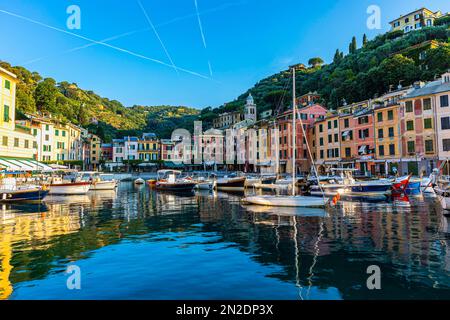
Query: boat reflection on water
{"points": [[287, 211]]}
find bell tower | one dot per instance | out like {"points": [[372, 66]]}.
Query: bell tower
{"points": [[250, 109]]}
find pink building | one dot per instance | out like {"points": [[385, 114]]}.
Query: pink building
{"points": [[307, 116]]}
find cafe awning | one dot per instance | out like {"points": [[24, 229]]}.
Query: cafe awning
{"points": [[22, 165]]}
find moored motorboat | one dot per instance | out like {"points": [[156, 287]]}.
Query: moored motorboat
{"points": [[168, 181], [230, 184], [98, 180], [32, 193], [286, 201], [69, 188], [151, 183], [139, 181]]}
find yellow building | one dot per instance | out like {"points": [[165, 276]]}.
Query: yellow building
{"points": [[327, 142], [415, 20], [148, 147], [388, 138], [95, 150], [15, 140]]}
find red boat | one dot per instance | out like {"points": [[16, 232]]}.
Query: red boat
{"points": [[400, 185]]}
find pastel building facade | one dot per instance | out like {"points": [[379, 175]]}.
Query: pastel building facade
{"points": [[16, 141], [306, 117], [148, 147], [418, 123], [415, 20], [388, 142], [439, 93], [327, 143]]}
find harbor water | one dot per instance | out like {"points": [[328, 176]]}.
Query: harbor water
{"points": [[136, 243]]}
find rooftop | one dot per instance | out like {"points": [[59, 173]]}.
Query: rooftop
{"points": [[430, 88]]}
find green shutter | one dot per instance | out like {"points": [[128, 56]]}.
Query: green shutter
{"points": [[6, 113]]}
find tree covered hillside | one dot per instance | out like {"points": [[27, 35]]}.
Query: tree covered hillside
{"points": [[108, 118], [363, 73]]}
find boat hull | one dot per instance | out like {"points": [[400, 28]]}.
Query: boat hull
{"points": [[204, 186], [287, 201], [103, 185], [76, 188], [22, 195], [182, 187], [233, 184]]}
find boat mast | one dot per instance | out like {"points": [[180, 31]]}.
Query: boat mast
{"points": [[294, 145]]}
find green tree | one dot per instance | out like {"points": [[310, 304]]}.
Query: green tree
{"points": [[45, 95], [315, 62], [353, 46], [337, 57], [398, 68], [277, 98], [364, 40]]}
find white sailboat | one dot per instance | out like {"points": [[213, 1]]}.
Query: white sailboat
{"points": [[292, 200]]}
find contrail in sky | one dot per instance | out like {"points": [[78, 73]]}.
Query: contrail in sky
{"points": [[200, 23], [84, 46], [157, 35], [103, 44], [202, 34]]}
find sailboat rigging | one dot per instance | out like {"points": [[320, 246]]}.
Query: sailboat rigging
{"points": [[290, 200]]}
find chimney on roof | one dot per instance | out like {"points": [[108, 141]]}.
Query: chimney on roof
{"points": [[418, 84], [446, 77]]}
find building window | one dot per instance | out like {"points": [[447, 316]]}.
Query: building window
{"points": [[7, 84], [321, 154], [380, 133], [335, 123], [406, 20], [34, 145], [392, 149], [329, 124], [427, 104], [380, 116], [346, 123], [64, 134], [27, 144], [6, 114], [410, 125], [429, 146], [320, 128], [16, 142], [427, 124], [34, 132], [363, 133], [411, 147], [47, 127], [446, 144], [409, 106], [445, 123], [56, 132], [390, 115], [321, 142], [348, 152], [381, 150], [5, 141], [444, 101], [336, 137], [391, 132], [330, 138]]}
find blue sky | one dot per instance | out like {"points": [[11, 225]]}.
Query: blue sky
{"points": [[246, 40]]}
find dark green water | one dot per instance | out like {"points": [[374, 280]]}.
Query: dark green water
{"points": [[139, 244]]}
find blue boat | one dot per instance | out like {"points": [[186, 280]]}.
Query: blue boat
{"points": [[23, 195], [413, 188]]}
